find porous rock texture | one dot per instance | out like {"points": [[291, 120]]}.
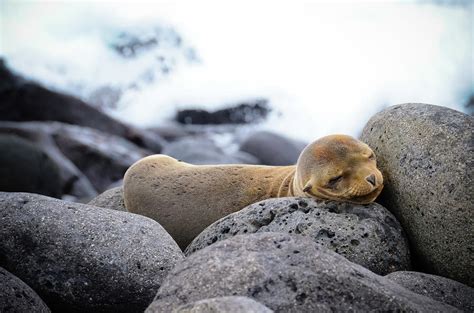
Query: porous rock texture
{"points": [[224, 305], [110, 199], [83, 258], [287, 273], [426, 155], [17, 297], [436, 287], [368, 235], [26, 167]]}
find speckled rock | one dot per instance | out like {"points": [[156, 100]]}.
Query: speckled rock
{"points": [[224, 305], [82, 258], [26, 167], [436, 287], [272, 149], [110, 199], [287, 273], [426, 154], [18, 297], [368, 235], [202, 150]]}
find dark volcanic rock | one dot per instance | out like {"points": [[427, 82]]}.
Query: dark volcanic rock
{"points": [[436, 287], [224, 305], [426, 154], [26, 167], [287, 273], [272, 149], [82, 258], [18, 297], [110, 199], [368, 235], [21, 100], [201, 150], [252, 112]]}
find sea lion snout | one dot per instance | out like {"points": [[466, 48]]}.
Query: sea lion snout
{"points": [[371, 179]]}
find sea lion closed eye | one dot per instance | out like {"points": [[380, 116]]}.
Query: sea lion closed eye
{"points": [[186, 198]]}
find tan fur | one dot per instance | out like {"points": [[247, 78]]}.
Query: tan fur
{"points": [[186, 198]]}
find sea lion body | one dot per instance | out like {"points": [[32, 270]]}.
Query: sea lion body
{"points": [[186, 198]]}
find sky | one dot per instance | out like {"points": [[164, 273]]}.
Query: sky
{"points": [[326, 67]]}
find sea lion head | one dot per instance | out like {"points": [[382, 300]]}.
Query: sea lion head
{"points": [[338, 167]]}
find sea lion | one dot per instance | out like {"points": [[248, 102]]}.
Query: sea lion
{"points": [[186, 198]]}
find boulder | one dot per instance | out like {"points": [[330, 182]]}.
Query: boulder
{"points": [[272, 149], [426, 154], [23, 100], [26, 167], [83, 258], [110, 199], [437, 288], [368, 235], [252, 111], [224, 305], [286, 273], [202, 150], [73, 181], [16, 296]]}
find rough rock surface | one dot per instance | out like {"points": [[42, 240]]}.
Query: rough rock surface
{"points": [[436, 287], [272, 149], [82, 258], [17, 297], [426, 154], [201, 150], [287, 273], [368, 235], [110, 199], [224, 305], [28, 101], [26, 167]]}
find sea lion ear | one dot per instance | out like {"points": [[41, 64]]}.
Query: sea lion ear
{"points": [[308, 187]]}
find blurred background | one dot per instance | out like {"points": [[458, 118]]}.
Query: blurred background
{"points": [[219, 81]]}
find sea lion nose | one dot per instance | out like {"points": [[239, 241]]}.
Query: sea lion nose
{"points": [[371, 179]]}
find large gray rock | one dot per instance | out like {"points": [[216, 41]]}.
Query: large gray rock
{"points": [[287, 273], [224, 305], [26, 167], [201, 150], [272, 149], [368, 235], [110, 199], [73, 181], [18, 297], [426, 154], [436, 287], [84, 258]]}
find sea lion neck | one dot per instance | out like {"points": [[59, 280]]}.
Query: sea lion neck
{"points": [[288, 184]]}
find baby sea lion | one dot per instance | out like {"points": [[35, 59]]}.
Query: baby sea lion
{"points": [[186, 198]]}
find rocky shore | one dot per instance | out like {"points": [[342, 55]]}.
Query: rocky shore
{"points": [[68, 243]]}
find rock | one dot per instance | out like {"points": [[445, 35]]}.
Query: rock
{"points": [[16, 296], [368, 235], [437, 288], [252, 111], [272, 149], [224, 305], [201, 150], [110, 199], [83, 258], [170, 132], [426, 154], [26, 167], [73, 181], [287, 273], [28, 101]]}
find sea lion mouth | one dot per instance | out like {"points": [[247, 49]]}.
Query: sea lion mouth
{"points": [[362, 199]]}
